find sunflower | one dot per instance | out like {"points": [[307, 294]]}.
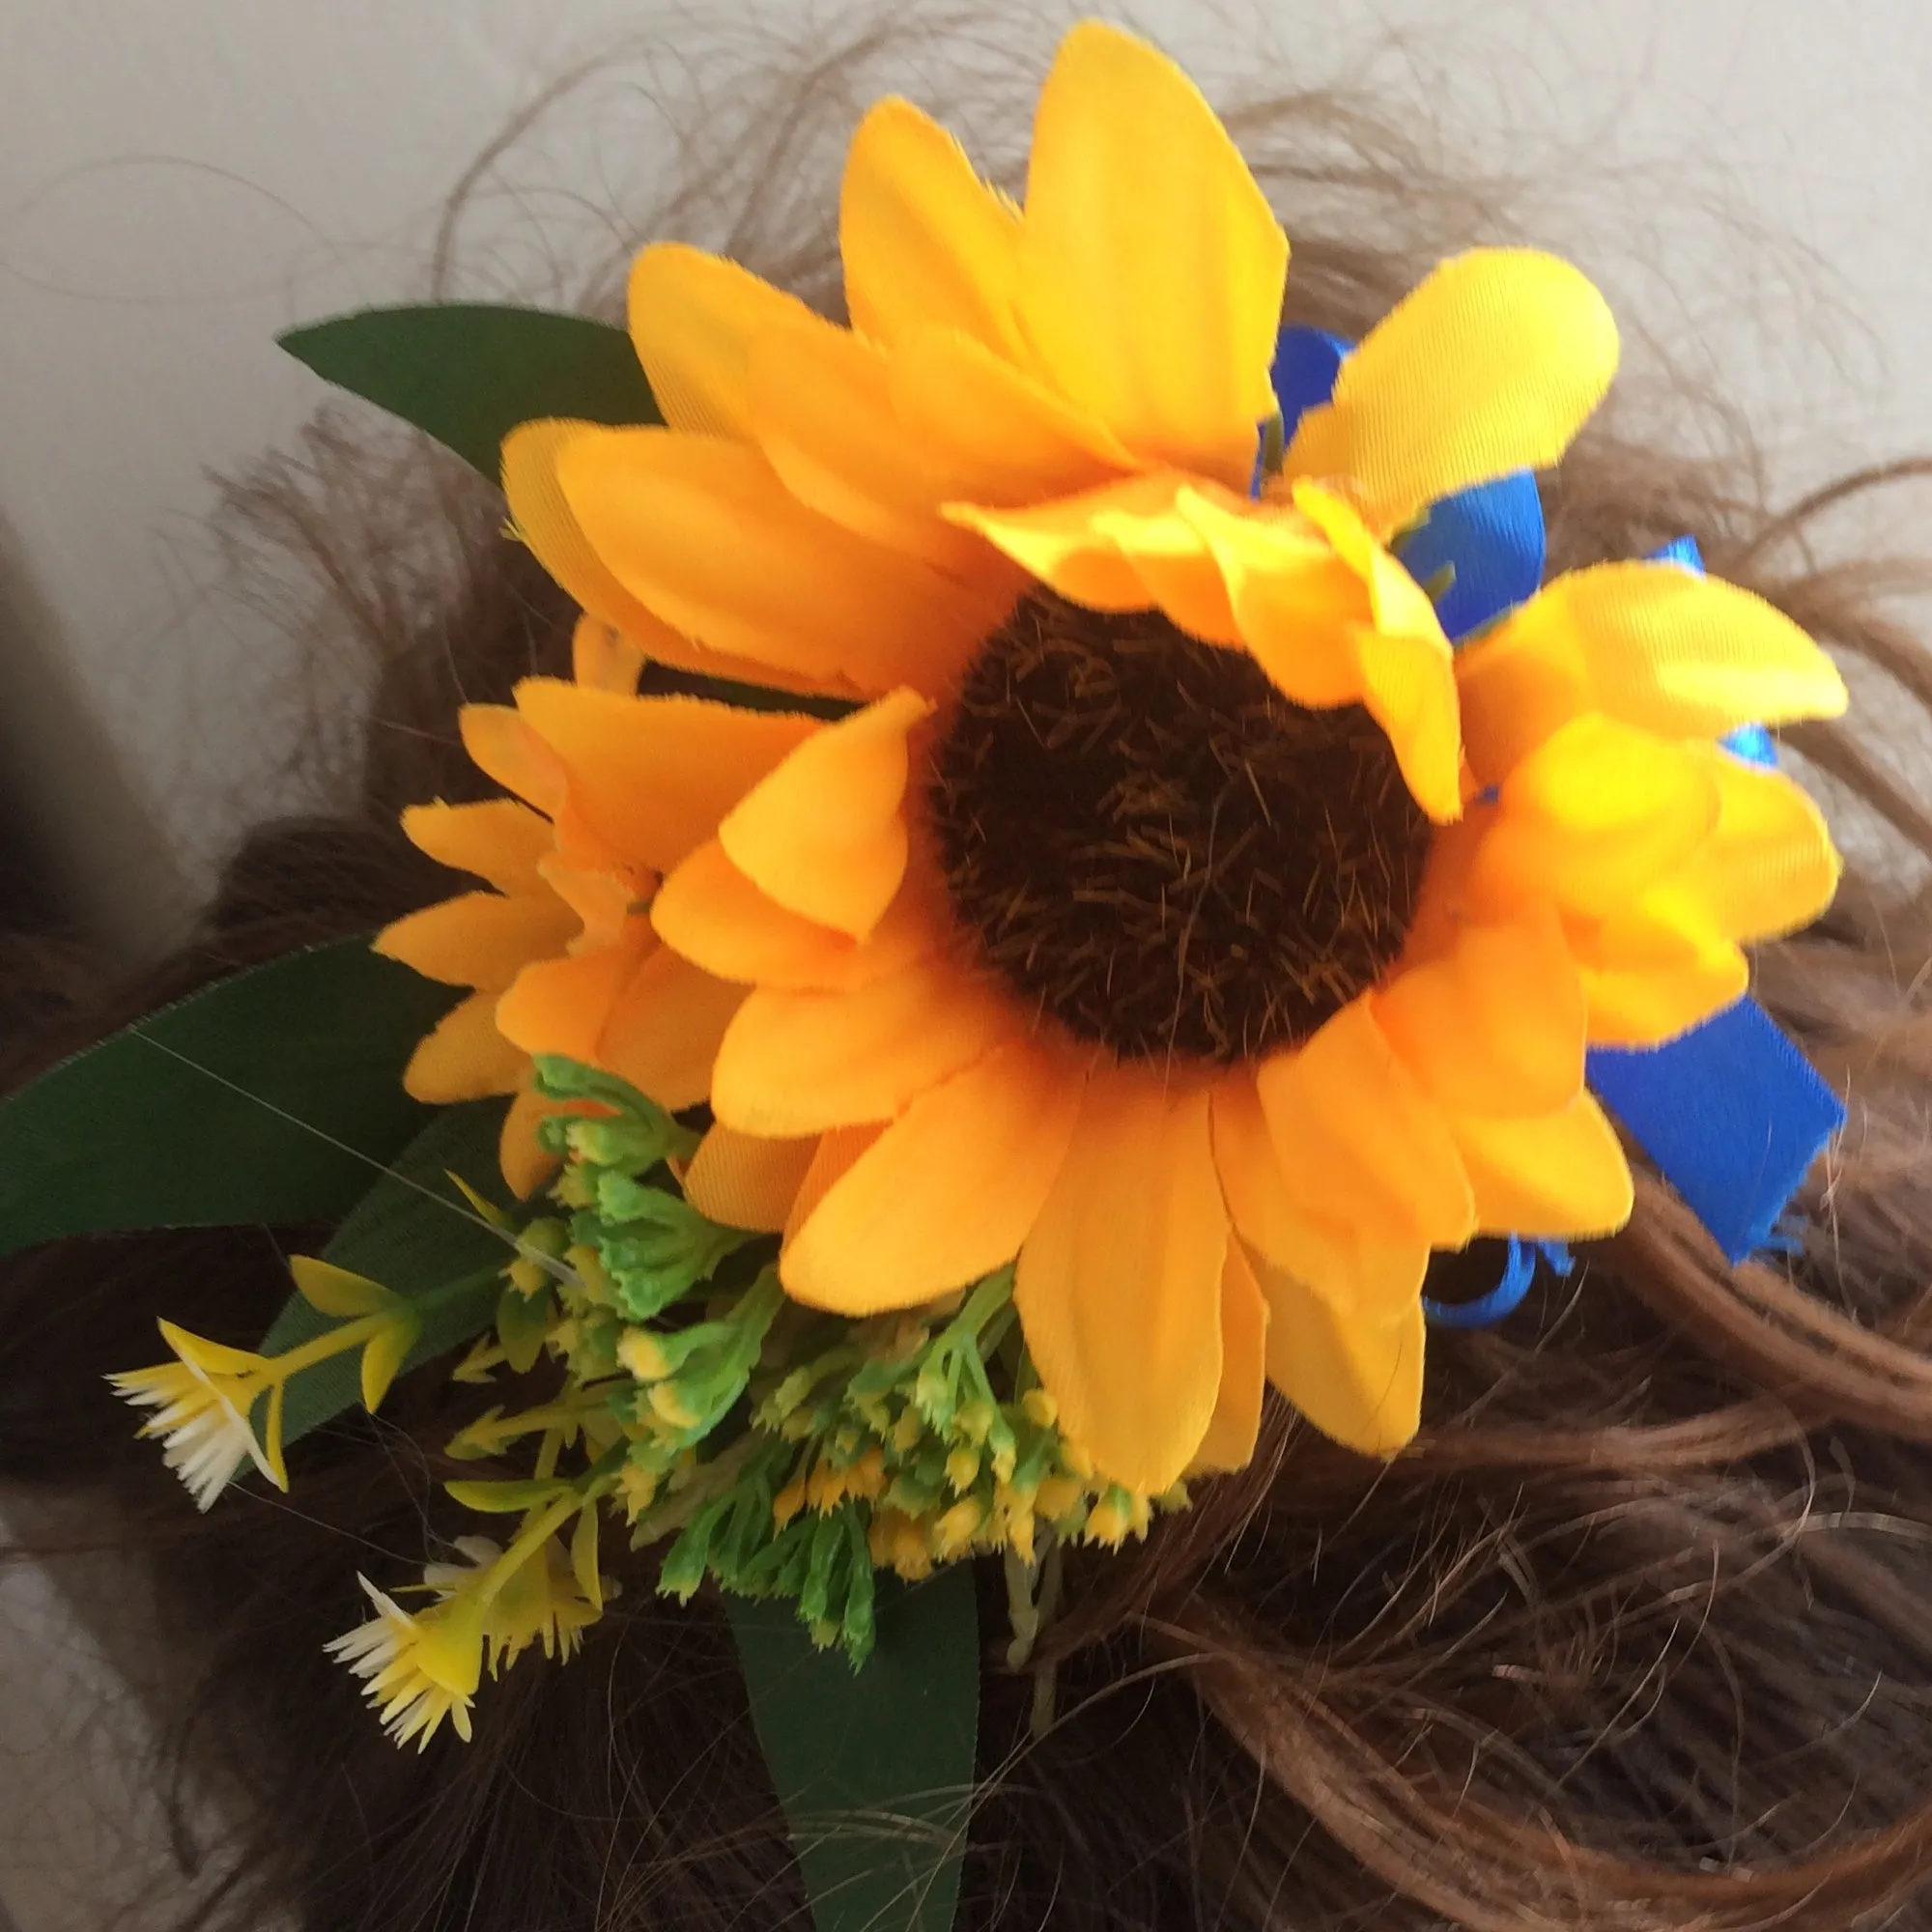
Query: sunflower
{"points": [[1177, 915], [557, 954]]}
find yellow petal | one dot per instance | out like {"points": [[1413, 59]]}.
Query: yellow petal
{"points": [[603, 657], [1151, 264], [525, 1162], [746, 1182], [693, 318], [826, 424], [1650, 972], [1232, 1435], [824, 833], [995, 432], [1768, 868], [1119, 1285], [945, 1194], [1562, 1177], [1683, 655], [1492, 365], [1355, 1269], [653, 776], [498, 841], [479, 939], [464, 1058], [1359, 1382], [542, 519], [664, 1027], [1126, 546], [838, 1151], [1595, 814], [1496, 1024], [798, 1062], [718, 920], [1359, 1142], [559, 1006], [502, 745], [1058, 544], [1407, 670], [705, 534], [1296, 604], [925, 241]]}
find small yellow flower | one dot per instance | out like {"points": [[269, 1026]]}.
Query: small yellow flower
{"points": [[417, 1669], [202, 1401]]}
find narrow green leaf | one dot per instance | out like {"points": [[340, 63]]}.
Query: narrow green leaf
{"points": [[874, 1768], [275, 1097], [416, 1233], [469, 373]]}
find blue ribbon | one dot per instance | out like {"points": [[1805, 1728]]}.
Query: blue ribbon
{"points": [[1731, 1112]]}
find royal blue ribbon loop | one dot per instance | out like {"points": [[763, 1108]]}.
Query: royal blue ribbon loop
{"points": [[1306, 363], [1506, 1297], [1484, 547], [1731, 1112]]}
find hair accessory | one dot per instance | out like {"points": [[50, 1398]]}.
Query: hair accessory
{"points": [[1078, 851]]}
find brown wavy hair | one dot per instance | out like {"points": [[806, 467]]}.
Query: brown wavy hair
{"points": [[1635, 1636]]}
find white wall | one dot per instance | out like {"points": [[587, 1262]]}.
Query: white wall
{"points": [[179, 178]]}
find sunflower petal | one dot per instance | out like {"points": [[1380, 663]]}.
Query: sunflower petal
{"points": [[1119, 1285], [503, 746], [798, 1062], [1237, 1426], [653, 776], [743, 1182], [603, 657], [718, 920], [525, 1161], [1496, 1024], [824, 833], [838, 1151], [1562, 1177], [1151, 264], [1595, 814], [826, 423], [1356, 1270], [1683, 655], [1651, 972], [464, 1058], [1770, 864], [559, 1006], [664, 1027], [996, 433], [1359, 1141], [947, 1193], [1296, 604], [1064, 544], [498, 841], [479, 939], [1493, 365], [693, 318], [704, 533], [549, 528], [924, 240], [1359, 1382]]}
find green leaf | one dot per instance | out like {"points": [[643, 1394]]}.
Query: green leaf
{"points": [[416, 1233], [874, 1768], [274, 1096], [469, 373]]}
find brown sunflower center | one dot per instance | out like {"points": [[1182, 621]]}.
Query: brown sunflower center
{"points": [[1149, 841]]}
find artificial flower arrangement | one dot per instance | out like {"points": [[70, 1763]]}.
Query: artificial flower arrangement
{"points": [[1078, 852]]}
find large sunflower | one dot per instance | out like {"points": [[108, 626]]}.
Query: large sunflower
{"points": [[1178, 915]]}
